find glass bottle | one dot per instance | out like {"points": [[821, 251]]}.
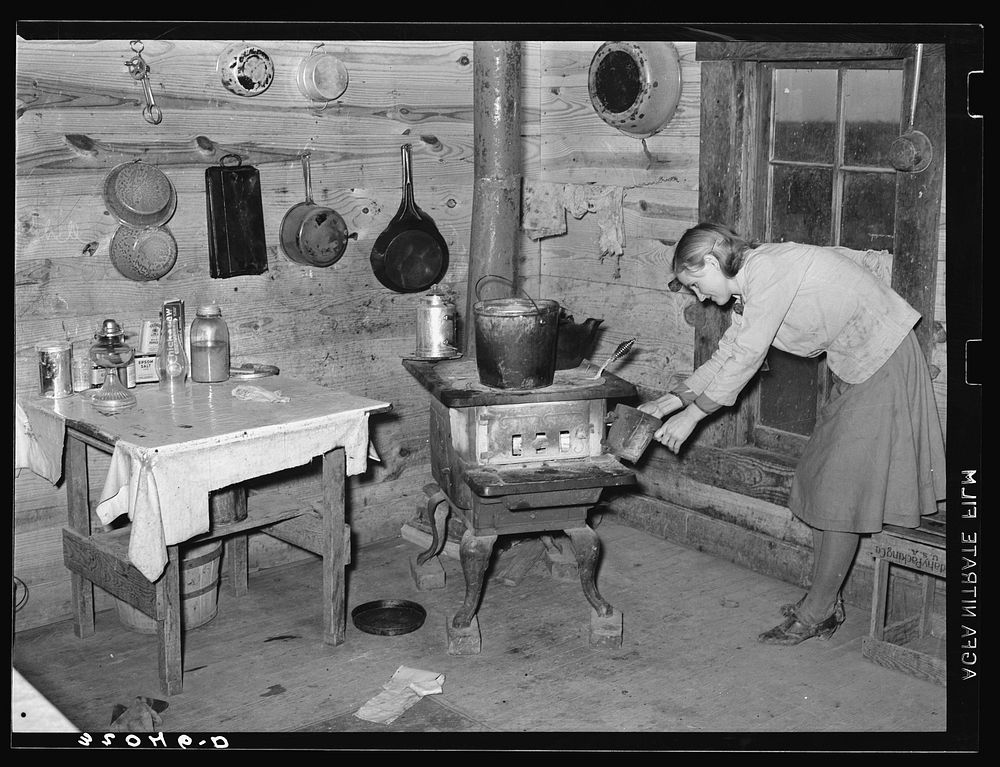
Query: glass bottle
{"points": [[209, 346], [171, 359]]}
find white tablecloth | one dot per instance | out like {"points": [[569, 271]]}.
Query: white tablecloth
{"points": [[171, 451]]}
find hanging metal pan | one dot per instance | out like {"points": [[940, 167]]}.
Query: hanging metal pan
{"points": [[410, 255], [312, 234]]}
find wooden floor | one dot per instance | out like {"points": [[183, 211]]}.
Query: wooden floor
{"points": [[689, 663]]}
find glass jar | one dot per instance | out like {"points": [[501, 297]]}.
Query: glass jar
{"points": [[209, 346]]}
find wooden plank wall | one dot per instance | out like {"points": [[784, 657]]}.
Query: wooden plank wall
{"points": [[78, 114], [660, 180]]}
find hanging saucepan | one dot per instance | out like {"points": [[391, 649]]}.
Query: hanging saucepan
{"points": [[410, 255], [311, 234]]}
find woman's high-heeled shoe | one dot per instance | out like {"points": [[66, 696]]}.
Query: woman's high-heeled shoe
{"points": [[789, 608], [793, 630]]}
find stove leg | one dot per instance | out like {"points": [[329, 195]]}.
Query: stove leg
{"points": [[605, 621], [475, 552], [587, 547], [436, 513]]}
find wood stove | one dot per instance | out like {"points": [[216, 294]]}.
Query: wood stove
{"points": [[515, 462]]}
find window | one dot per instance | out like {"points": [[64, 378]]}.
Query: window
{"points": [[828, 182]]}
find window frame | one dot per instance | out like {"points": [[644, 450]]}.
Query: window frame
{"points": [[729, 192]]}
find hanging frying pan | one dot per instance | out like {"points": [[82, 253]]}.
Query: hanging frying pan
{"points": [[410, 255], [312, 234]]}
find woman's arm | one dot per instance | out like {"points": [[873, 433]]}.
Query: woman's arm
{"points": [[665, 405]]}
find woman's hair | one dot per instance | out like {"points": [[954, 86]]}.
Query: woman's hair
{"points": [[721, 241]]}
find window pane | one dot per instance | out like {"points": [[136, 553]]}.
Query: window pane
{"points": [[872, 103], [868, 211], [805, 114], [788, 392], [800, 205]]}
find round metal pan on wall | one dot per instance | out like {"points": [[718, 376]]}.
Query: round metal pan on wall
{"points": [[143, 253], [410, 255], [139, 194], [311, 234], [635, 87]]}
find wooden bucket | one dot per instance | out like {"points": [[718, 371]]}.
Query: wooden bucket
{"points": [[199, 590]]}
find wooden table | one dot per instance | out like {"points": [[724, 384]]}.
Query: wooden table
{"points": [[209, 439]]}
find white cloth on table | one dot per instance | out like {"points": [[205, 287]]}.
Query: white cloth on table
{"points": [[38, 444], [140, 478]]}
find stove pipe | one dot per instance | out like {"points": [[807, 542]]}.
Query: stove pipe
{"points": [[496, 201]]}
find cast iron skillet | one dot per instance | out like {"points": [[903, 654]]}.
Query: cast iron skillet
{"points": [[410, 255]]}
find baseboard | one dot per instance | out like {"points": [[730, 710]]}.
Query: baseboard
{"points": [[757, 551]]}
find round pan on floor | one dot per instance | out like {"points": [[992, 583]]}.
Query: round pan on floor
{"points": [[388, 617]]}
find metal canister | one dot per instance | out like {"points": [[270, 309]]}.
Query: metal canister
{"points": [[55, 363], [435, 325]]}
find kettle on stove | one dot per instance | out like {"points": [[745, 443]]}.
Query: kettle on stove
{"points": [[575, 340]]}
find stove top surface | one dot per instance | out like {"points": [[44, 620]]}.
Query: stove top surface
{"points": [[456, 384]]}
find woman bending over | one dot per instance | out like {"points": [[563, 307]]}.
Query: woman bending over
{"points": [[876, 454]]}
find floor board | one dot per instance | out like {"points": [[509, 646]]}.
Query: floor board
{"points": [[689, 663]]}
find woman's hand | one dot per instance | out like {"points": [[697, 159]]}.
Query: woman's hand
{"points": [[665, 405], [678, 428]]}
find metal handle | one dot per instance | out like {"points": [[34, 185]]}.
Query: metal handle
{"points": [[404, 150], [307, 177], [541, 317], [916, 83]]}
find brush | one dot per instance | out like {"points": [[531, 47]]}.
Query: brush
{"points": [[623, 348]]}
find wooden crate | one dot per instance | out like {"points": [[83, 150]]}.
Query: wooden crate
{"points": [[906, 644]]}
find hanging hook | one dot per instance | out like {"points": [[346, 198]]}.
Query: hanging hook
{"points": [[139, 70]]}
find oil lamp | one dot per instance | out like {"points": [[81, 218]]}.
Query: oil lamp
{"points": [[111, 353]]}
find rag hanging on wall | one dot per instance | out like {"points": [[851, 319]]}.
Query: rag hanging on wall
{"points": [[635, 87]]}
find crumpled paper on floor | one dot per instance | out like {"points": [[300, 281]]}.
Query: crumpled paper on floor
{"points": [[545, 206], [406, 687]]}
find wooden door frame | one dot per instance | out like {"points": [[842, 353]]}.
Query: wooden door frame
{"points": [[728, 193]]}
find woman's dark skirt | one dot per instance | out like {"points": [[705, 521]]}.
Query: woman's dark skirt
{"points": [[876, 455]]}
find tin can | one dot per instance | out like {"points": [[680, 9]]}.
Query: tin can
{"points": [[55, 364], [435, 326]]}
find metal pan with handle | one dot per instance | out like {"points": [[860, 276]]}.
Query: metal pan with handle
{"points": [[311, 234], [410, 255]]}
